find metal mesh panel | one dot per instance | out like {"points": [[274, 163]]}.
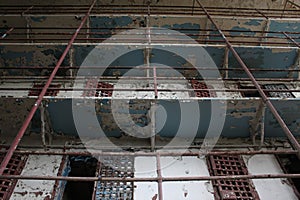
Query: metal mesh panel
{"points": [[104, 93], [278, 94], [116, 167], [14, 167], [202, 89], [99, 92], [231, 189], [91, 83]]}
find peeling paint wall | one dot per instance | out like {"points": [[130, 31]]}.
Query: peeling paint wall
{"points": [[35, 189]]}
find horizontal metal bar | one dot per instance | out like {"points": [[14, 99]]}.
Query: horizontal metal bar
{"points": [[143, 34], [156, 28], [144, 67], [65, 79], [151, 89], [97, 152], [144, 6], [151, 179], [108, 147]]}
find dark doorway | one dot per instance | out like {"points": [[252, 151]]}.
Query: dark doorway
{"points": [[85, 167]]}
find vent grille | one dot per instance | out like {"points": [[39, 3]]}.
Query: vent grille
{"points": [[14, 167], [101, 91], [202, 89], [231, 189], [121, 167]]}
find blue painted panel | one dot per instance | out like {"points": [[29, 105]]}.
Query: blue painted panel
{"points": [[238, 28], [217, 54], [32, 56], [289, 112], [284, 26], [263, 58], [182, 120], [80, 53], [61, 117], [184, 28], [102, 25]]}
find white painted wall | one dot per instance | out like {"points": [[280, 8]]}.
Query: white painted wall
{"points": [[173, 167], [42, 165], [277, 189]]}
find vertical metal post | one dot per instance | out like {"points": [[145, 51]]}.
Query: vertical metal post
{"points": [[155, 82], [285, 4], [225, 63], [159, 176], [43, 125], [193, 7], [262, 127], [27, 121], [264, 97]]}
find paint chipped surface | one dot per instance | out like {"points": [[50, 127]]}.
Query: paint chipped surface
{"points": [[42, 165], [145, 167], [186, 167]]}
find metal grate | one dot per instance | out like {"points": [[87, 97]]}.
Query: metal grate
{"points": [[37, 88], [90, 84], [104, 93], [99, 92], [14, 167], [116, 167], [202, 89], [278, 94], [226, 165]]}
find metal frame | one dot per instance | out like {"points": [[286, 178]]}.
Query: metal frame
{"points": [[264, 97], [289, 38], [190, 10], [42, 94]]}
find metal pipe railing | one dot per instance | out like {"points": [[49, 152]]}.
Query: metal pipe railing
{"points": [[27, 121], [264, 97]]}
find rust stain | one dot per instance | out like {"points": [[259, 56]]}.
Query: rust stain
{"points": [[21, 193], [154, 197], [185, 194]]}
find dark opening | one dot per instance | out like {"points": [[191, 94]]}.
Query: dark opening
{"points": [[80, 166], [291, 165], [250, 93]]}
